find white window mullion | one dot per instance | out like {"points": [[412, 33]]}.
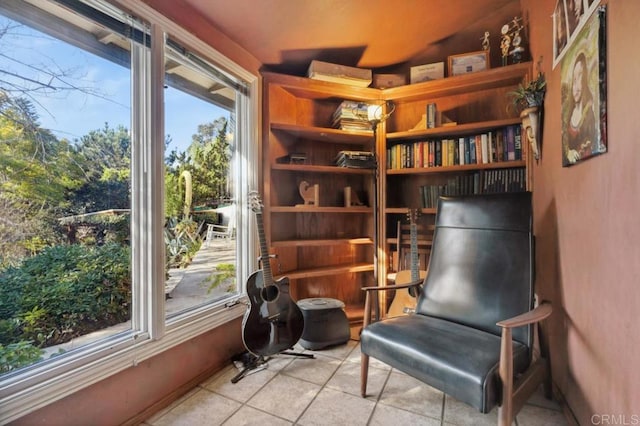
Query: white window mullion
{"points": [[155, 181]]}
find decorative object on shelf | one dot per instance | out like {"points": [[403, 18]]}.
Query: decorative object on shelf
{"points": [[309, 193], [426, 72], [356, 159], [293, 158], [505, 43], [485, 41], [351, 198], [528, 98], [468, 62], [516, 40], [584, 93], [352, 115], [385, 81]]}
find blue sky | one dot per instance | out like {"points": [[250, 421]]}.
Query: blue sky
{"points": [[72, 114]]}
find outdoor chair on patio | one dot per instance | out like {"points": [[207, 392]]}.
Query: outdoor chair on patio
{"points": [[219, 231], [472, 332]]}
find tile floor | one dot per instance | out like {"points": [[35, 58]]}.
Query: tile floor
{"points": [[326, 391]]}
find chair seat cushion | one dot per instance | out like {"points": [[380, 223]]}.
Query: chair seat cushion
{"points": [[458, 360]]}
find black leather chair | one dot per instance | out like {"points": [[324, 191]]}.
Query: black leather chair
{"points": [[472, 333]]}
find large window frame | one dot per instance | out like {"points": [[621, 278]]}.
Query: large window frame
{"points": [[151, 334]]}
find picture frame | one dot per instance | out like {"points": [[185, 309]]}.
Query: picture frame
{"points": [[584, 108], [569, 17], [466, 63]]}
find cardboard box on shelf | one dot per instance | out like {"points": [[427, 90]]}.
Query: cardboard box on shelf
{"points": [[336, 73]]}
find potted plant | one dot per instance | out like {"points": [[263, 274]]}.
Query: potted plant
{"points": [[529, 94], [528, 99]]}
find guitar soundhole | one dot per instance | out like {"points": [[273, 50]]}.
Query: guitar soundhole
{"points": [[270, 293]]}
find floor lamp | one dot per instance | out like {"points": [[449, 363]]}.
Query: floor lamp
{"points": [[376, 114]]}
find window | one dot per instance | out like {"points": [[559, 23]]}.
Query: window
{"points": [[125, 160]]}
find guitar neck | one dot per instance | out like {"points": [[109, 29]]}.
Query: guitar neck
{"points": [[415, 274], [264, 252]]}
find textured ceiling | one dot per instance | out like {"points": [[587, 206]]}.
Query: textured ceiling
{"points": [[285, 35]]}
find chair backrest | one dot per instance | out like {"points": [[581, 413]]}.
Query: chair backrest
{"points": [[481, 268]]}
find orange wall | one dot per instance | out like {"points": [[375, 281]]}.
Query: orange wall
{"points": [[588, 231], [125, 395]]}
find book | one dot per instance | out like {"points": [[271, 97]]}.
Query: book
{"points": [[485, 148], [517, 144], [431, 115], [500, 145], [472, 150], [510, 140], [478, 149]]}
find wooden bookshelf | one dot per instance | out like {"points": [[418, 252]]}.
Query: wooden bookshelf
{"points": [[327, 250]]}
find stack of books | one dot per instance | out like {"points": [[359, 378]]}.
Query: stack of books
{"points": [[356, 159], [352, 115]]}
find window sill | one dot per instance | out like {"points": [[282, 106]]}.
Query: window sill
{"points": [[19, 397]]}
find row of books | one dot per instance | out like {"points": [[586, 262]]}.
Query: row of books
{"points": [[351, 115], [500, 145], [480, 182]]}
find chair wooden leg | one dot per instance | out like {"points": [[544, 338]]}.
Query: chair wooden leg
{"points": [[505, 412], [364, 372]]}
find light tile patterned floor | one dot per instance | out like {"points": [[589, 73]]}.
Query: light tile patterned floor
{"points": [[326, 391]]}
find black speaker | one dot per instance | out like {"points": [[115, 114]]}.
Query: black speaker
{"points": [[325, 323]]}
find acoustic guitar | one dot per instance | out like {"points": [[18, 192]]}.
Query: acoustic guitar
{"points": [[403, 302], [274, 322]]}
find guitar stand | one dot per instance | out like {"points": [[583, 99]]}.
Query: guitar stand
{"points": [[260, 363]]}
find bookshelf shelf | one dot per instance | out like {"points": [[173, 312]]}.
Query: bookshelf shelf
{"points": [[322, 243], [300, 168], [457, 168], [328, 271], [325, 134], [320, 209], [458, 130]]}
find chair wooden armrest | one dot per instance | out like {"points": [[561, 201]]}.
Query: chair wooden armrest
{"points": [[537, 314], [369, 290], [514, 396], [393, 287]]}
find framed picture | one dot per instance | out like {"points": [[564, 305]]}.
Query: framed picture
{"points": [[569, 17], [584, 93], [468, 62]]}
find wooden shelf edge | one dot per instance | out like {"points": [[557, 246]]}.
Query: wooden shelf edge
{"points": [[459, 168], [325, 134], [457, 130], [318, 89], [325, 242], [450, 86], [327, 270], [314, 209], [299, 168]]}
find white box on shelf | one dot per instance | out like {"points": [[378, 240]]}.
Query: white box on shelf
{"points": [[427, 72]]}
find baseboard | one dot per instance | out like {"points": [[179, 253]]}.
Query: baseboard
{"points": [[173, 396], [566, 410]]}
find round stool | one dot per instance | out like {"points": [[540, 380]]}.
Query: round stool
{"points": [[325, 323]]}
